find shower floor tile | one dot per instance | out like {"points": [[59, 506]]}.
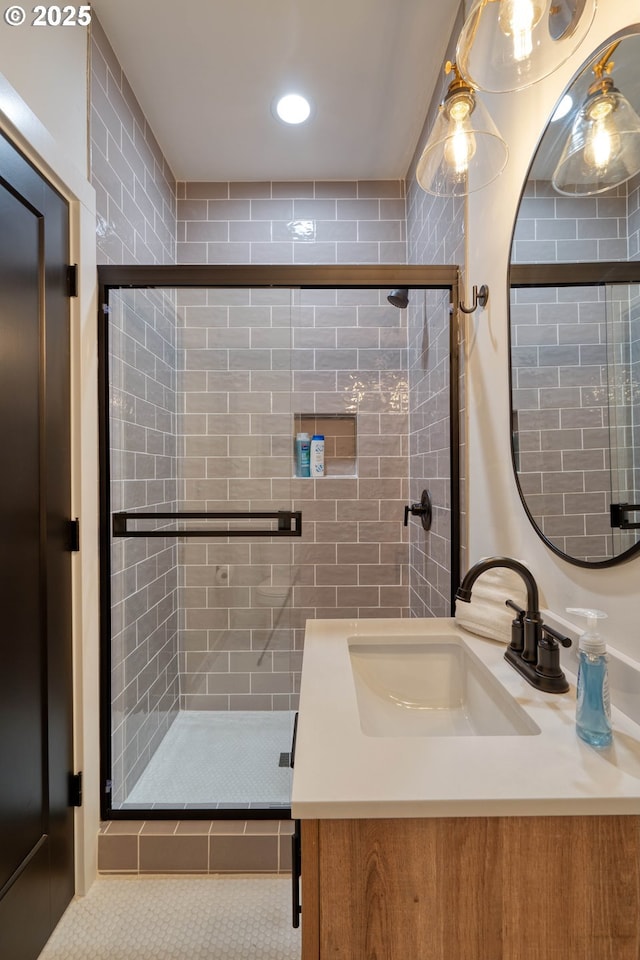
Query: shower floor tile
{"points": [[194, 918], [217, 758]]}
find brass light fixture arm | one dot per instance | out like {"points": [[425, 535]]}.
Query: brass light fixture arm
{"points": [[605, 65]]}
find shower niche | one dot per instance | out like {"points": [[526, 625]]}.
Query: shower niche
{"points": [[340, 436]]}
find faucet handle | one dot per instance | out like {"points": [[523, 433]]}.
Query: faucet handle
{"points": [[550, 632], [548, 665], [517, 627], [514, 606]]}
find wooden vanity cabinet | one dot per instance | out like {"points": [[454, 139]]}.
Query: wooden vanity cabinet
{"points": [[501, 888]]}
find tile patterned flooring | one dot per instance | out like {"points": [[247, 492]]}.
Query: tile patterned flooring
{"points": [[218, 758], [193, 918]]}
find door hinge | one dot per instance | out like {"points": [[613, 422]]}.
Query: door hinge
{"points": [[74, 535], [75, 789], [72, 280]]}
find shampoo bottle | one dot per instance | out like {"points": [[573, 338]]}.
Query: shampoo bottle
{"points": [[317, 455], [303, 445], [593, 710]]}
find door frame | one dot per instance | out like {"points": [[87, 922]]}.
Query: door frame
{"points": [[50, 158], [300, 277]]}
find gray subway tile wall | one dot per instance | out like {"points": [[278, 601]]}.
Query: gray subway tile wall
{"points": [[307, 222], [247, 634], [279, 356], [135, 188], [136, 209], [435, 235]]}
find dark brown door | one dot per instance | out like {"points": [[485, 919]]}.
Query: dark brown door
{"points": [[36, 823]]}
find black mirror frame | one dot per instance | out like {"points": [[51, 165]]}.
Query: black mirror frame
{"points": [[557, 275]]}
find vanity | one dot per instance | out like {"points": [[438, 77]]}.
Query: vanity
{"points": [[475, 826]]}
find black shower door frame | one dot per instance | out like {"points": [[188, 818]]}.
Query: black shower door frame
{"points": [[235, 276]]}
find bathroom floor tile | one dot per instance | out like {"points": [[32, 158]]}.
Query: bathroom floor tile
{"points": [[193, 918]]}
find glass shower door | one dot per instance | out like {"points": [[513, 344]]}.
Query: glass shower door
{"points": [[204, 674]]}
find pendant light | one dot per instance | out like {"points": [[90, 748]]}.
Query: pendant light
{"points": [[507, 45], [603, 148], [464, 151]]}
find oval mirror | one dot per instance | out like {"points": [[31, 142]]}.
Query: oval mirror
{"points": [[575, 317]]}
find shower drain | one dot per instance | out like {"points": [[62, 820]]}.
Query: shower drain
{"points": [[285, 760]]}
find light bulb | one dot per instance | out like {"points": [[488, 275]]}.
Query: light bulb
{"points": [[460, 145], [517, 18], [459, 148], [602, 141], [601, 146]]}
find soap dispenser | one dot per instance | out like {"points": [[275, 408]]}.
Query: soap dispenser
{"points": [[593, 710]]}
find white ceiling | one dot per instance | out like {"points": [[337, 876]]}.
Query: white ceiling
{"points": [[206, 71]]}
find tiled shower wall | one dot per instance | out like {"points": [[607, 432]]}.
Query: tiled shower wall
{"points": [[435, 234], [135, 195], [298, 222], [135, 188], [144, 580], [564, 342], [256, 360]]}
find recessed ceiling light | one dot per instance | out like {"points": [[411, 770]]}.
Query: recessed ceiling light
{"points": [[563, 108], [293, 108]]}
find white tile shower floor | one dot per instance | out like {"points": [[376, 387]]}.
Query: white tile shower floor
{"points": [[190, 918], [219, 757]]}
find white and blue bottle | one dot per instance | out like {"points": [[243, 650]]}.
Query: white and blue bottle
{"points": [[317, 455], [593, 710]]}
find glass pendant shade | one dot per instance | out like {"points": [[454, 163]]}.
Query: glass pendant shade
{"points": [[603, 148], [507, 45], [464, 151]]}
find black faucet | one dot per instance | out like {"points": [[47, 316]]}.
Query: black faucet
{"points": [[534, 650]]}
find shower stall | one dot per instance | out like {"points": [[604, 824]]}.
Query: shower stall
{"points": [[214, 553]]}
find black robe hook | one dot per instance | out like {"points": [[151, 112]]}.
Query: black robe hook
{"points": [[480, 298]]}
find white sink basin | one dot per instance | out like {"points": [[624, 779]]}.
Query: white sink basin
{"points": [[430, 687]]}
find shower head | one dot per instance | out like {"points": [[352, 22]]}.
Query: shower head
{"points": [[399, 297]]}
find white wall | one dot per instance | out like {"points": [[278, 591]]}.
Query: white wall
{"points": [[497, 521], [47, 68], [43, 110]]}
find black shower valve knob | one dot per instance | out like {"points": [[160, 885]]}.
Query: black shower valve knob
{"points": [[422, 510]]}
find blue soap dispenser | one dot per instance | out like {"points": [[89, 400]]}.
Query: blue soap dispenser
{"points": [[593, 710]]}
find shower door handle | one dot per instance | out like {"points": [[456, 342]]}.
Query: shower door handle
{"points": [[296, 872], [289, 524]]}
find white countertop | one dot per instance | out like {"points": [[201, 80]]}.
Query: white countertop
{"points": [[342, 773]]}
